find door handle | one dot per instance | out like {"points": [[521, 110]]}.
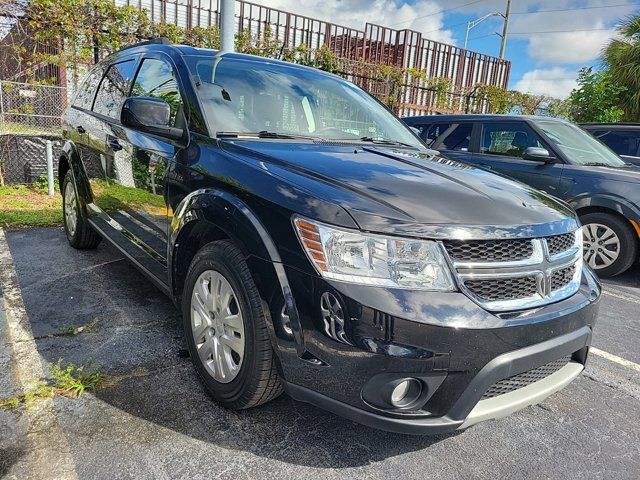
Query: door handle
{"points": [[80, 129], [485, 165], [114, 145]]}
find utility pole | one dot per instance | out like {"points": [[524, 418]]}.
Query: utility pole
{"points": [[503, 42], [227, 27]]}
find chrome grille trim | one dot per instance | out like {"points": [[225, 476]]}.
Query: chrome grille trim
{"points": [[551, 273]]}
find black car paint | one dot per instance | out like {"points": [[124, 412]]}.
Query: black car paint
{"points": [[583, 187], [248, 191]]}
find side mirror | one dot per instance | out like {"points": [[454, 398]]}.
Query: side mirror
{"points": [[537, 154], [150, 115]]}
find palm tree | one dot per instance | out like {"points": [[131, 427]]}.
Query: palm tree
{"points": [[622, 58]]}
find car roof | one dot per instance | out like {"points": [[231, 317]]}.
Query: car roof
{"points": [[621, 125], [164, 45], [480, 117]]}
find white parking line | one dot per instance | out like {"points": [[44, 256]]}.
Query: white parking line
{"points": [[49, 455], [614, 358]]}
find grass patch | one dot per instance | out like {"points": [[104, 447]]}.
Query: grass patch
{"points": [[66, 380], [29, 206]]}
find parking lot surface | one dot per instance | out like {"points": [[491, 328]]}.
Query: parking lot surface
{"points": [[153, 420]]}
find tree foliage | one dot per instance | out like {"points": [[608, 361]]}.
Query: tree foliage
{"points": [[622, 59], [597, 98]]}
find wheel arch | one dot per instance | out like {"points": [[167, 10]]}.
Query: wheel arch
{"points": [[208, 215]]}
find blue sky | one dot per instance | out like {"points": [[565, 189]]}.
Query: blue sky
{"points": [[542, 63]]}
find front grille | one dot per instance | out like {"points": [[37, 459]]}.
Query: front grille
{"points": [[526, 378], [503, 288], [561, 278], [560, 243], [489, 250], [515, 274]]}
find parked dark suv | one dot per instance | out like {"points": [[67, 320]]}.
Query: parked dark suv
{"points": [[315, 245], [561, 159], [622, 138]]}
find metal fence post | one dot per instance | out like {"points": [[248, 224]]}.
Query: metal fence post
{"points": [[1, 107], [50, 167]]}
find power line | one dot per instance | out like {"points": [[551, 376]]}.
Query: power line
{"points": [[544, 32], [437, 13], [577, 8]]}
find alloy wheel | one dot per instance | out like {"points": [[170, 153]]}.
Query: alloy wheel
{"points": [[217, 326], [601, 245], [70, 209]]}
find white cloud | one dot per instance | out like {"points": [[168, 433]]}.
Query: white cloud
{"points": [[556, 82], [421, 15], [568, 47]]}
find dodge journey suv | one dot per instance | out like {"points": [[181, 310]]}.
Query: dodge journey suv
{"points": [[316, 246]]}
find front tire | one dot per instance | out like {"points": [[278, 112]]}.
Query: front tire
{"points": [[79, 233], [610, 243], [225, 329]]}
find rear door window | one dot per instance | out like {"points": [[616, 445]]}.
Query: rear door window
{"points": [[508, 139], [114, 89], [86, 91]]}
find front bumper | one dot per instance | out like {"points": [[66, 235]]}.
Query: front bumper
{"points": [[470, 409], [454, 347]]}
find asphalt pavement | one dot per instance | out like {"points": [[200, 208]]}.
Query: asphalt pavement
{"points": [[153, 420]]}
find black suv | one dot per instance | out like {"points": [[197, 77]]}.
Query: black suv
{"points": [[316, 246], [561, 159], [622, 138]]}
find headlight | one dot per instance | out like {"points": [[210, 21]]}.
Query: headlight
{"points": [[368, 259]]}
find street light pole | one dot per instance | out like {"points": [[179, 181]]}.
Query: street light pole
{"points": [[505, 26], [227, 27], [474, 23]]}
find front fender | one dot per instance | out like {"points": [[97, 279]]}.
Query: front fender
{"points": [[608, 201], [239, 223]]}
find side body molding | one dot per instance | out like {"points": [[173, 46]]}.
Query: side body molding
{"points": [[238, 222]]}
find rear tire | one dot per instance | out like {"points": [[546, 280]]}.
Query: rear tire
{"points": [[80, 234], [234, 359], [610, 243]]}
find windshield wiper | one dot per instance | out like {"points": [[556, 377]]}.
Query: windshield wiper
{"points": [[385, 141], [266, 134], [598, 164]]}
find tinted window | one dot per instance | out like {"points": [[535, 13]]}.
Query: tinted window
{"points": [[86, 91], [430, 133], [456, 137], [156, 79], [623, 142], [114, 88], [508, 139]]}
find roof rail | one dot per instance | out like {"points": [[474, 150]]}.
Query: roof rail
{"points": [[153, 41]]}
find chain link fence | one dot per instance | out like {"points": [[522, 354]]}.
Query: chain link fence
{"points": [[30, 114]]}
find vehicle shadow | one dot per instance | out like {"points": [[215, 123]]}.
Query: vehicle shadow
{"points": [[134, 337]]}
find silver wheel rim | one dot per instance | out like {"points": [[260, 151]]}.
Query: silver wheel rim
{"points": [[601, 245], [70, 209], [217, 326]]}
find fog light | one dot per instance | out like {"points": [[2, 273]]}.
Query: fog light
{"points": [[406, 392]]}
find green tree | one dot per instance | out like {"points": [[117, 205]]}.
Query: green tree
{"points": [[597, 98], [622, 59]]}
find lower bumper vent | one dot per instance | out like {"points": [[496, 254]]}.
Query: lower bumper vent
{"points": [[526, 378]]}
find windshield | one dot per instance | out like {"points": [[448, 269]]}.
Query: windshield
{"points": [[243, 96], [579, 147]]}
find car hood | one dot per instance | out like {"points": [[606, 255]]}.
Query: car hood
{"points": [[397, 190]]}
